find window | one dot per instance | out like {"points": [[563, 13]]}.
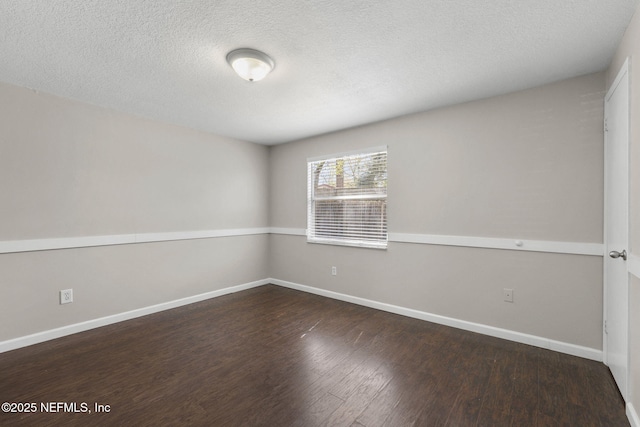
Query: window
{"points": [[347, 199]]}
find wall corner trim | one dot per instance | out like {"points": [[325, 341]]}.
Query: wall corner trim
{"points": [[15, 343], [632, 415], [559, 346]]}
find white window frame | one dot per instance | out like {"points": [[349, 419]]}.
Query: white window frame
{"points": [[311, 199]]}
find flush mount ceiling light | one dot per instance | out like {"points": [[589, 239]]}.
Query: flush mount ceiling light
{"points": [[250, 64]]}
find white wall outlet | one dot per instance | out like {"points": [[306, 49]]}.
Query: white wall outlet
{"points": [[334, 271], [507, 294], [66, 296]]}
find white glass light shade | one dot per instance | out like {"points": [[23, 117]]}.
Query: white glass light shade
{"points": [[251, 65]]}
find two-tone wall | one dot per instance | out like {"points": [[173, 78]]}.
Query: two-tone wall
{"points": [[465, 184], [630, 48], [132, 213], [505, 192]]}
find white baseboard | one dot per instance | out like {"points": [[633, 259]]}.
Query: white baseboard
{"points": [[39, 337], [559, 346], [572, 349], [632, 415]]}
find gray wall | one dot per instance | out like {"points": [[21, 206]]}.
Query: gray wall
{"points": [[69, 169], [630, 47], [527, 165]]}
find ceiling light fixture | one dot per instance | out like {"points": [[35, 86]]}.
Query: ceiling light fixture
{"points": [[250, 64]]}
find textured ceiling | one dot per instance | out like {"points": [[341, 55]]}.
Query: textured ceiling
{"points": [[339, 63]]}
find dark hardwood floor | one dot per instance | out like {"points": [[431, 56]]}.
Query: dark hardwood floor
{"points": [[277, 357]]}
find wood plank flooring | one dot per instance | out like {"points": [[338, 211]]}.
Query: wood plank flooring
{"points": [[272, 356]]}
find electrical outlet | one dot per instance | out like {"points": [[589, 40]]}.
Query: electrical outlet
{"points": [[507, 294], [66, 296], [334, 271]]}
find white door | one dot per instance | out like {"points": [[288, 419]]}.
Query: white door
{"points": [[616, 229]]}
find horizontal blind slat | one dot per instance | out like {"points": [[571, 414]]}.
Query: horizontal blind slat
{"points": [[347, 199]]}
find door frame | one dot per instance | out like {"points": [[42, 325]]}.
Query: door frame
{"points": [[622, 73]]}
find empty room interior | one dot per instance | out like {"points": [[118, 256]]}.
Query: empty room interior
{"points": [[415, 212]]}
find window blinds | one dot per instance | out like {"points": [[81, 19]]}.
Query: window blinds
{"points": [[347, 199]]}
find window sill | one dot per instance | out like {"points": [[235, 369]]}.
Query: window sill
{"points": [[350, 243]]}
